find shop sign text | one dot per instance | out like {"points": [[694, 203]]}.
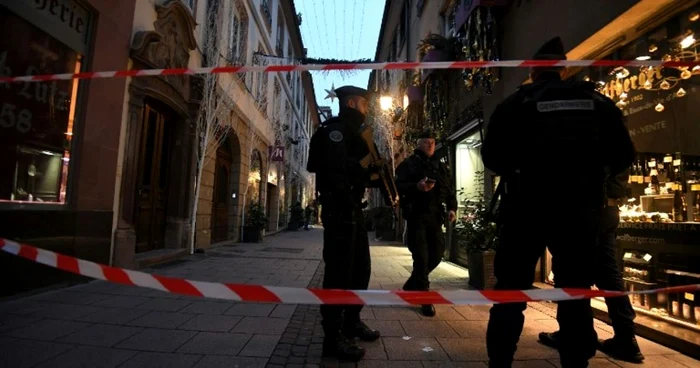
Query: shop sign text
{"points": [[685, 227], [67, 14]]}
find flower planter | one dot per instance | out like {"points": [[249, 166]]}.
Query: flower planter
{"points": [[481, 275], [432, 55], [252, 234], [415, 94]]}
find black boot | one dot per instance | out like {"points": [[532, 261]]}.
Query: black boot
{"points": [[362, 332], [620, 348], [550, 339], [428, 310], [342, 348]]}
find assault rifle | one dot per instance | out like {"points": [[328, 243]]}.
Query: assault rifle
{"points": [[381, 177]]}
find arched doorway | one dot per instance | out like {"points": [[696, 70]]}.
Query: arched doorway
{"points": [[220, 201]]}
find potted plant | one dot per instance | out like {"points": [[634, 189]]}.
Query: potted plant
{"points": [[255, 222], [476, 232]]}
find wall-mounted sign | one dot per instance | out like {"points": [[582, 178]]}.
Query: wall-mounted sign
{"points": [[67, 20], [276, 153]]}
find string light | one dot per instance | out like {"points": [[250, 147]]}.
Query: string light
{"points": [[681, 92], [659, 107]]}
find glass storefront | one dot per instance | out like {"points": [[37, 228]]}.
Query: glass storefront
{"points": [[468, 171], [658, 238], [36, 119]]}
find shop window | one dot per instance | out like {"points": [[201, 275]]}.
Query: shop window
{"points": [[36, 119], [660, 214], [254, 177], [469, 171]]}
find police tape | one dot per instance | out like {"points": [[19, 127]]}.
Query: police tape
{"points": [[354, 66], [289, 295]]}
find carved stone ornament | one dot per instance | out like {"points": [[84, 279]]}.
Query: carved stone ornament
{"points": [[169, 45]]}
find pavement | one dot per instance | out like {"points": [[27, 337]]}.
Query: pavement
{"points": [[99, 324]]}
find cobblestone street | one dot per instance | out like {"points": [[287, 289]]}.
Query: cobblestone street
{"points": [[106, 325]]}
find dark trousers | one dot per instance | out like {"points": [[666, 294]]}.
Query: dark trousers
{"points": [[427, 245], [347, 262], [572, 240], [609, 277]]}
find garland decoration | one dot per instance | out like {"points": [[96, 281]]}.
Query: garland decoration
{"points": [[319, 61]]}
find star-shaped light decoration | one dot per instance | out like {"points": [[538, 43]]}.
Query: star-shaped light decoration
{"points": [[331, 93]]}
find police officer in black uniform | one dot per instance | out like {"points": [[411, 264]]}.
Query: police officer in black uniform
{"points": [[624, 344], [552, 142], [335, 152], [424, 184]]}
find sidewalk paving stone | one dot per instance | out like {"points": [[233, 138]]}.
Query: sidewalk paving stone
{"points": [[89, 356], [110, 325]]}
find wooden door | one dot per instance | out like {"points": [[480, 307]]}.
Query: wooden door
{"points": [[152, 186], [219, 221]]}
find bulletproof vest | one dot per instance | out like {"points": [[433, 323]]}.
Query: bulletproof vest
{"points": [[428, 167], [562, 134], [346, 155]]}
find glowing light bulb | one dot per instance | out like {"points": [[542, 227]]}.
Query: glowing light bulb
{"points": [[696, 68], [643, 57], [385, 102], [665, 85], [688, 41], [647, 84], [653, 48], [623, 96], [622, 73], [621, 104], [659, 107], [694, 16], [681, 92], [685, 74]]}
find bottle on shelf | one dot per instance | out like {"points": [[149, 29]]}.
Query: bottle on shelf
{"points": [[678, 213]]}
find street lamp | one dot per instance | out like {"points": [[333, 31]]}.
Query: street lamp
{"points": [[385, 102]]}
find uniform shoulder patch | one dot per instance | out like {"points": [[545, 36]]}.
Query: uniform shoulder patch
{"points": [[335, 136]]}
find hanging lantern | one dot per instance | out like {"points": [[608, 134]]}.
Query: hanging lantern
{"points": [[686, 74], [681, 92], [659, 107], [621, 72], [665, 85]]}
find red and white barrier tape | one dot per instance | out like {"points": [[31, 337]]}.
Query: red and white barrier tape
{"points": [[288, 295], [356, 66]]}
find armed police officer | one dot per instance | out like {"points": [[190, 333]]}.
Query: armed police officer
{"points": [[552, 142], [623, 345], [425, 187], [335, 152]]}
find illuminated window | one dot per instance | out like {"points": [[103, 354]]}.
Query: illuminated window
{"points": [[36, 119]]}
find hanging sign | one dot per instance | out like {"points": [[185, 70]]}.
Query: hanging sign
{"points": [[276, 153]]}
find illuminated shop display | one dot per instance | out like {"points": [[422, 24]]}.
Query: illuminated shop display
{"points": [[659, 232]]}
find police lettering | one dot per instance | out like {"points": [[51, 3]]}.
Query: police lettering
{"points": [[560, 105]]}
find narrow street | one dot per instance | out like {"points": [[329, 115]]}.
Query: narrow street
{"points": [[106, 325]]}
